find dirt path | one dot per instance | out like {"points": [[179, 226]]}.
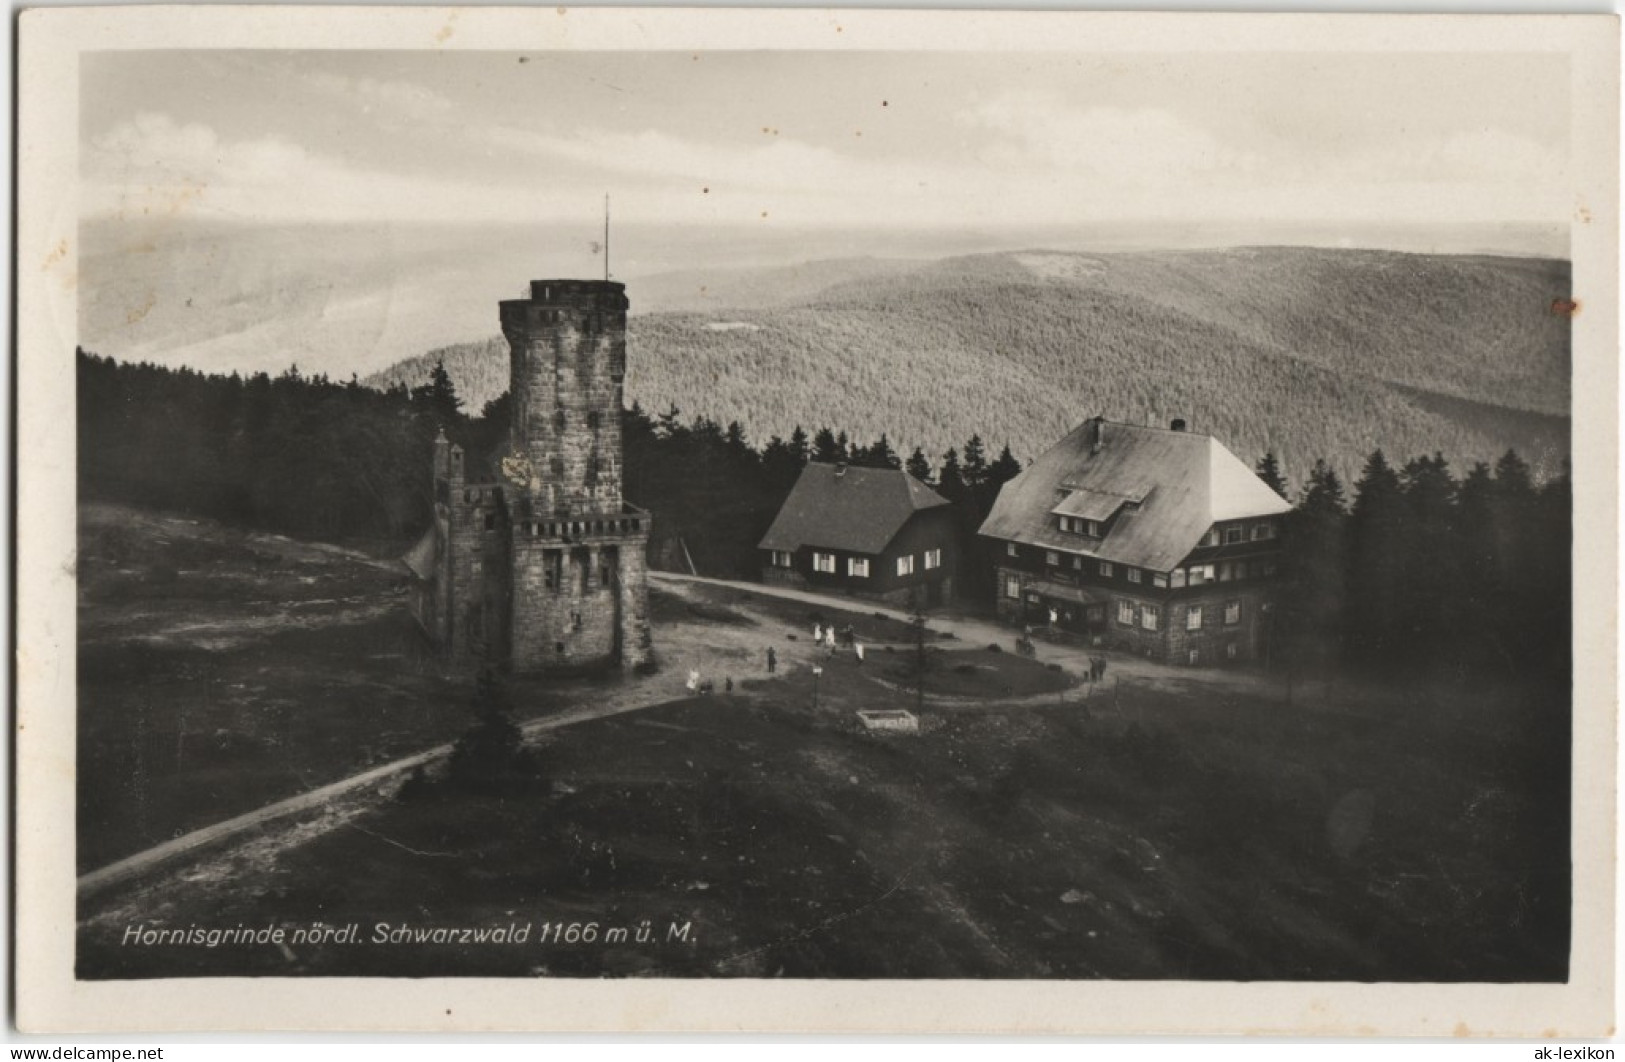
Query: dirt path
{"points": [[716, 651], [975, 632]]}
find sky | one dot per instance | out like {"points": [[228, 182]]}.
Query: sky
{"points": [[803, 141]]}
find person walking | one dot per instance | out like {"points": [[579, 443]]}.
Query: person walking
{"points": [[772, 660], [1102, 674], [857, 647]]}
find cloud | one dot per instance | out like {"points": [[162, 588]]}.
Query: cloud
{"points": [[153, 164], [401, 100], [1128, 146]]}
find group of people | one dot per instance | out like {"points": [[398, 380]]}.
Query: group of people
{"points": [[826, 637], [696, 685]]}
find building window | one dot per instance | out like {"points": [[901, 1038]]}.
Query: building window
{"points": [[1241, 570], [933, 559], [1012, 588], [824, 562], [1091, 528], [1179, 578], [1226, 572], [1211, 538], [1232, 613], [1232, 535], [1125, 612], [1193, 618], [1133, 574], [905, 565], [1201, 573], [781, 559], [857, 567], [1052, 558], [1263, 531], [552, 568], [1149, 615], [1230, 650], [1010, 550], [1159, 579], [490, 521], [1106, 569], [1077, 563], [1195, 657], [592, 419], [1066, 523]]}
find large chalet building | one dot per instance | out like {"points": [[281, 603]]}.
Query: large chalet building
{"points": [[870, 532], [1157, 541]]}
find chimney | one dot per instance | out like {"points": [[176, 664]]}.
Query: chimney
{"points": [[1177, 424], [1096, 434]]}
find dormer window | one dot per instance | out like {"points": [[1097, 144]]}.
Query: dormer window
{"points": [[1211, 538], [1232, 535]]}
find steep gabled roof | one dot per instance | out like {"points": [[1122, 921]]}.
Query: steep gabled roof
{"points": [[1185, 482], [859, 510]]}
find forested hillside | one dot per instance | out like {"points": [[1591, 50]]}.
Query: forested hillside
{"points": [[1307, 352]]}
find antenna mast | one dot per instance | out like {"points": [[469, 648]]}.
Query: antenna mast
{"points": [[606, 237]]}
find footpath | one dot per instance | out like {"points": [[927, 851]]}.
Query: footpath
{"points": [[968, 630]]}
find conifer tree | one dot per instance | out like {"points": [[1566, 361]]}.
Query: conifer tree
{"points": [[951, 478], [1269, 470], [1376, 550], [919, 466], [826, 448]]}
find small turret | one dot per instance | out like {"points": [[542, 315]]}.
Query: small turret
{"points": [[456, 475], [442, 456]]}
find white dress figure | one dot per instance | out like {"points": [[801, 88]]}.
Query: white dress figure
{"points": [[858, 648], [693, 681], [818, 633]]}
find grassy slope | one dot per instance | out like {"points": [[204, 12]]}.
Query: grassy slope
{"points": [[1314, 353]]}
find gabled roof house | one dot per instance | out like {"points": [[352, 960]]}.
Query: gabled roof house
{"points": [[873, 532], [1155, 540]]}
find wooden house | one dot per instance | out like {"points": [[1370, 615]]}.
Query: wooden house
{"points": [[1158, 541], [871, 532]]}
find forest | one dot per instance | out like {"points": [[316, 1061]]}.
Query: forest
{"points": [[1309, 353], [1413, 569]]}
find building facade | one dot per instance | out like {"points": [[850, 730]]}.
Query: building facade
{"points": [[542, 566], [869, 532], [1155, 541]]}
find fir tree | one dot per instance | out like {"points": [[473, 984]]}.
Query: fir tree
{"points": [[827, 448], [919, 466], [1269, 470]]}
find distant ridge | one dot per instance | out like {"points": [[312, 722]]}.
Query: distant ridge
{"points": [[1309, 352]]}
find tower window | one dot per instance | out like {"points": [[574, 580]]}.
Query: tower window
{"points": [[559, 419], [592, 419]]}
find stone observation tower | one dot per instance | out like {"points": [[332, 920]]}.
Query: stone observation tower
{"points": [[542, 567], [580, 591]]}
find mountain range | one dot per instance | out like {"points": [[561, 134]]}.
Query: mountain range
{"points": [[1309, 352]]}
